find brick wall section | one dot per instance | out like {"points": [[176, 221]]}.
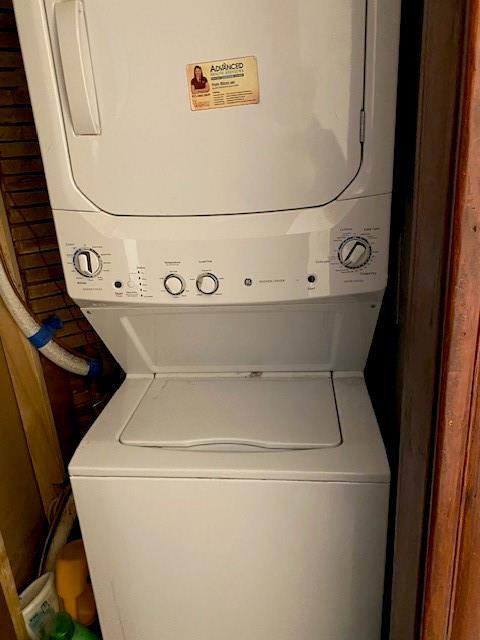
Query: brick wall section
{"points": [[22, 183]]}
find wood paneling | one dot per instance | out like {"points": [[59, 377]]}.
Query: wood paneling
{"points": [[30, 390], [32, 400], [11, 619], [22, 519], [7, 632], [452, 595], [466, 611]]}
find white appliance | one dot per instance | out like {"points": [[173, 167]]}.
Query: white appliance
{"points": [[220, 174]]}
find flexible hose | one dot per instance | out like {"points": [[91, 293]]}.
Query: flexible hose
{"points": [[30, 327], [58, 535]]}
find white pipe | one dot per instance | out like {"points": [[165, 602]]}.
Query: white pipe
{"points": [[30, 327], [60, 535]]}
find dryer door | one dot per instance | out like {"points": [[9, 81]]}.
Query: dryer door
{"points": [[270, 121]]}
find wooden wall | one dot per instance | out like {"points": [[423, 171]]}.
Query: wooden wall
{"points": [[452, 598], [7, 632], [22, 519]]}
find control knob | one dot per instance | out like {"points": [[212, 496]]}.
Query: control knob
{"points": [[174, 284], [87, 262], [354, 252], [207, 283]]}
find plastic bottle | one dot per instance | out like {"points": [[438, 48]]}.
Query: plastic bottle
{"points": [[63, 627], [71, 579]]}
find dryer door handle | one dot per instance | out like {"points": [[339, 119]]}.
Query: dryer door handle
{"points": [[77, 67]]}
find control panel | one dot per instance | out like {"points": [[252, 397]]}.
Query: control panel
{"points": [[337, 250]]}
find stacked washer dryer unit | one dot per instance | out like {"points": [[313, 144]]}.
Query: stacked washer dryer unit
{"points": [[229, 244]]}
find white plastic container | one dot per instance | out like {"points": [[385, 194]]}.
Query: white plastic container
{"points": [[38, 602]]}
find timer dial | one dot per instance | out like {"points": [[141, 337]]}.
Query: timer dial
{"points": [[87, 262], [174, 284], [355, 252], [207, 283]]}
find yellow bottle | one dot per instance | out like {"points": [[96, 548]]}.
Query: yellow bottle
{"points": [[73, 587]]}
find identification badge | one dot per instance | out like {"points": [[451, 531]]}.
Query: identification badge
{"points": [[223, 83]]}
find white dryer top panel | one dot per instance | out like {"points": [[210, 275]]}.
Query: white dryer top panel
{"points": [[237, 412], [284, 130]]}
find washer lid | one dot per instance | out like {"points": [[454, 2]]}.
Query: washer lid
{"points": [[276, 411]]}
